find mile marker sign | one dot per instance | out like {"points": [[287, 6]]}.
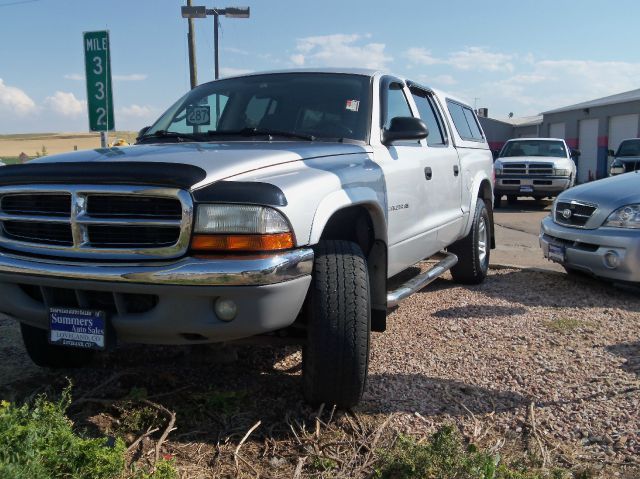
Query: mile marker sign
{"points": [[97, 65]]}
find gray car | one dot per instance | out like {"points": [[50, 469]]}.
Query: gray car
{"points": [[595, 228]]}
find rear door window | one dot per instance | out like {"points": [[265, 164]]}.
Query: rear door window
{"points": [[465, 121]]}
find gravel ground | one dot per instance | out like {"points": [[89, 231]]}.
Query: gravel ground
{"points": [[525, 351], [482, 355]]}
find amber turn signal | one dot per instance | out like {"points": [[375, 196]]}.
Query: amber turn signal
{"points": [[241, 243]]}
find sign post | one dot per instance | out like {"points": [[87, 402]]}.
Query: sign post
{"points": [[97, 65]]}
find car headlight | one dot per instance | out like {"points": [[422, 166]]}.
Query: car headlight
{"points": [[625, 217], [221, 227], [561, 172], [497, 167]]}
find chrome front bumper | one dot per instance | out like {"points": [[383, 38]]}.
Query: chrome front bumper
{"points": [[554, 184], [190, 271], [269, 292], [586, 250]]}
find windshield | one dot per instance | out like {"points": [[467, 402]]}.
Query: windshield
{"points": [[534, 148], [313, 105], [629, 148]]}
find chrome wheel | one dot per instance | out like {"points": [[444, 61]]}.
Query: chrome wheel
{"points": [[482, 240]]}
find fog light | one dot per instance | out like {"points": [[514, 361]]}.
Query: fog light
{"points": [[611, 259], [226, 309]]}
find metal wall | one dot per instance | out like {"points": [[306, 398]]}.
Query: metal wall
{"points": [[572, 119]]}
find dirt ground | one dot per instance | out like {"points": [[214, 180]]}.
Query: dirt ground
{"points": [[53, 143], [525, 351]]}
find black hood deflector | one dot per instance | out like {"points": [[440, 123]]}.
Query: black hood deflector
{"points": [[104, 172]]}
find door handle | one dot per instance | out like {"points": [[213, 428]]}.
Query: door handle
{"points": [[428, 174], [456, 170]]}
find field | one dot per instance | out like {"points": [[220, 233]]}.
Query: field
{"points": [[42, 144]]}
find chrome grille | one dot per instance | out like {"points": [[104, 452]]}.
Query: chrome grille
{"points": [[573, 213], [527, 168], [102, 222]]}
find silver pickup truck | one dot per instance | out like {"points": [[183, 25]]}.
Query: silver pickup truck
{"points": [[273, 204]]}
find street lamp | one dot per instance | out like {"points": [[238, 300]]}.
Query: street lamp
{"points": [[202, 12]]}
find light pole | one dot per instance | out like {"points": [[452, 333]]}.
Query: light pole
{"points": [[202, 12]]}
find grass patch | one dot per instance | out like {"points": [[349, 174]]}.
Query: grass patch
{"points": [[38, 441], [565, 325], [445, 456]]}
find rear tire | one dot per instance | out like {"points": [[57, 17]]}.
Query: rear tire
{"points": [[336, 354], [49, 356], [473, 250], [497, 199]]}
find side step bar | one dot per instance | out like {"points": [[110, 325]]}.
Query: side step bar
{"points": [[423, 279]]}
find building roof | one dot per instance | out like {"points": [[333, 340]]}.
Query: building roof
{"points": [[520, 121], [633, 95]]}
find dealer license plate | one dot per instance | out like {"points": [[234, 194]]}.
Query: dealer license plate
{"points": [[79, 328], [556, 253], [526, 189]]}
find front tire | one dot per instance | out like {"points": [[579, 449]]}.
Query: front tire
{"points": [[47, 355], [336, 354], [473, 250]]}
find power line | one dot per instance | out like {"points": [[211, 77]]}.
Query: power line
{"points": [[20, 2]]}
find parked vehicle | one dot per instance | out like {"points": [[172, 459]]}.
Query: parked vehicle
{"points": [[595, 228], [537, 167], [272, 204], [627, 158]]}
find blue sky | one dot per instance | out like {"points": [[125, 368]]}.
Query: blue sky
{"points": [[511, 56]]}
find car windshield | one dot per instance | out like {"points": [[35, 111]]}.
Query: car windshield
{"points": [[534, 148], [291, 105], [629, 148]]}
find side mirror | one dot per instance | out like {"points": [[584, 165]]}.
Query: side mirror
{"points": [[575, 153], [611, 153], [495, 154], [142, 132], [404, 128], [617, 168]]}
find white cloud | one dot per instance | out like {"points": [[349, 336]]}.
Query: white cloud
{"points": [[421, 56], [65, 104], [237, 51], [340, 50], [447, 80], [138, 111], [230, 71], [478, 58], [14, 100], [130, 77]]}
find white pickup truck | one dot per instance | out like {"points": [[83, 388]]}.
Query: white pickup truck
{"points": [[273, 204], [538, 167]]}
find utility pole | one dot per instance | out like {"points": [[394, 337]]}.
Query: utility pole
{"points": [[192, 12], [191, 37], [216, 70]]}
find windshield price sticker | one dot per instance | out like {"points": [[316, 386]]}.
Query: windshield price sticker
{"points": [[353, 105], [198, 115]]}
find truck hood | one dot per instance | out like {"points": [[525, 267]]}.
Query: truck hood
{"points": [[609, 193], [218, 160]]}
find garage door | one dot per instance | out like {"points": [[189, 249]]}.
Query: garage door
{"points": [[556, 130], [588, 146], [620, 128]]}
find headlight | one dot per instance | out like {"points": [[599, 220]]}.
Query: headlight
{"points": [[240, 228], [625, 217], [497, 167], [561, 172]]}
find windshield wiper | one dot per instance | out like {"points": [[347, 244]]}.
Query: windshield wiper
{"points": [[172, 134], [261, 132]]}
